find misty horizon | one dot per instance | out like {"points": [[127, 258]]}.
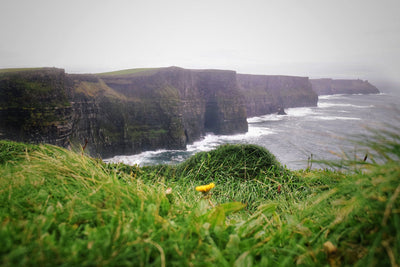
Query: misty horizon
{"points": [[330, 39]]}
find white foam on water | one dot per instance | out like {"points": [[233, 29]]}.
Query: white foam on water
{"points": [[329, 105], [336, 96], [137, 159], [332, 118], [211, 141], [324, 97], [299, 112], [264, 118], [207, 143], [256, 131]]}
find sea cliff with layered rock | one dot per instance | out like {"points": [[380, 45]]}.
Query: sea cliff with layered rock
{"points": [[265, 94], [130, 111]]}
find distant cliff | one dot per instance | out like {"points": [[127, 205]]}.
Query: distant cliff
{"points": [[265, 94], [330, 87]]}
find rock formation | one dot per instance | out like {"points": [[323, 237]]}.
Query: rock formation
{"points": [[330, 87], [119, 114], [205, 100], [265, 94], [281, 111]]}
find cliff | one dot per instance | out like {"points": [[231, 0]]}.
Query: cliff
{"points": [[330, 87], [196, 101], [35, 106], [130, 111], [119, 113], [266, 94]]}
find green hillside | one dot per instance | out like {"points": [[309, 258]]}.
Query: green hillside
{"points": [[61, 207]]}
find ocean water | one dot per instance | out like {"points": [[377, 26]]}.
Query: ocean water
{"points": [[323, 131]]}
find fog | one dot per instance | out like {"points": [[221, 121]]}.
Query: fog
{"points": [[332, 38]]}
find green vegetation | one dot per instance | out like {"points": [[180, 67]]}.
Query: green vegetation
{"points": [[127, 71], [98, 89], [30, 94], [63, 208], [12, 151], [18, 69]]}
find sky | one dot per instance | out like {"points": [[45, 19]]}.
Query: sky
{"points": [[313, 38]]}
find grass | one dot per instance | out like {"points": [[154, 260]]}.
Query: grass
{"points": [[127, 71], [63, 208], [18, 69], [98, 89]]}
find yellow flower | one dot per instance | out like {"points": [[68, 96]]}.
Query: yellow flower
{"points": [[168, 191], [205, 188]]}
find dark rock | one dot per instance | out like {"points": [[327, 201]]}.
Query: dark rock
{"points": [[281, 111]]}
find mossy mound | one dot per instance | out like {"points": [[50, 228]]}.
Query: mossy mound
{"points": [[243, 173], [238, 161]]}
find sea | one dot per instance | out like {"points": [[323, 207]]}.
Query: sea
{"points": [[324, 132]]}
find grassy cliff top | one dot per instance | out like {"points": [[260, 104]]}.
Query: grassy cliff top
{"points": [[112, 73], [18, 69], [97, 89], [10, 70], [61, 207], [127, 72]]}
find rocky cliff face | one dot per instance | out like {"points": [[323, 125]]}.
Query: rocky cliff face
{"points": [[136, 110], [35, 106], [120, 114], [199, 100], [331, 86], [225, 110], [266, 94]]}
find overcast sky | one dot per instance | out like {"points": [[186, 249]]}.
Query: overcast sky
{"points": [[315, 38]]}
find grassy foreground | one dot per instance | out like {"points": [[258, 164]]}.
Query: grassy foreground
{"points": [[58, 207]]}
